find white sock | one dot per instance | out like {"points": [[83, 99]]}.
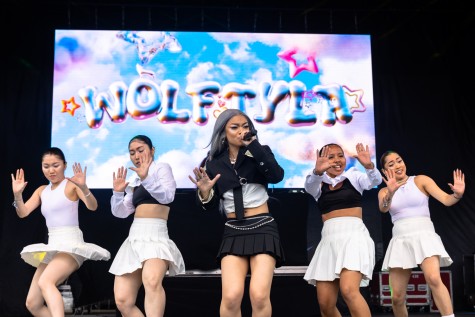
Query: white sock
{"points": [[449, 315]]}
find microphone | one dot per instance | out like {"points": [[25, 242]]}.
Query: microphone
{"points": [[248, 136]]}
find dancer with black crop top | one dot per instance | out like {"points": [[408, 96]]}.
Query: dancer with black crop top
{"points": [[344, 258], [414, 242], [147, 253], [235, 176], [66, 250]]}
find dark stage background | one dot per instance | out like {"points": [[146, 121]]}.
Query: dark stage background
{"points": [[423, 90]]}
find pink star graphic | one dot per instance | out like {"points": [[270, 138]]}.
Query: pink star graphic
{"points": [[73, 103], [294, 70]]}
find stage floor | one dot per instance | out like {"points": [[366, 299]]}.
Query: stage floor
{"points": [[288, 287], [389, 314]]}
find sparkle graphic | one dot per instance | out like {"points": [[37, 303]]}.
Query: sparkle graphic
{"points": [[294, 70], [73, 104], [358, 96]]}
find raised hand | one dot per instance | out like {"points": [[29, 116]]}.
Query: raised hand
{"points": [[144, 164], [391, 182], [18, 182], [322, 163], [79, 178], [202, 180], [119, 180], [363, 156], [458, 187]]}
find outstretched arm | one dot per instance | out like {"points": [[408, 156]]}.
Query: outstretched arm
{"points": [[364, 156], [458, 188], [373, 177], [83, 192], [23, 209]]}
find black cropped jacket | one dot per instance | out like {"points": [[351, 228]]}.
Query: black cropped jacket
{"points": [[255, 163]]}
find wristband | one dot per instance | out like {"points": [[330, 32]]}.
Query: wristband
{"points": [[315, 172]]}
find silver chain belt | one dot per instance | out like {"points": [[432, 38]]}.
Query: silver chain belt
{"points": [[262, 221]]}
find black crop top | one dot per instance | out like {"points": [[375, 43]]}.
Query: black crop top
{"points": [[142, 196], [344, 197]]}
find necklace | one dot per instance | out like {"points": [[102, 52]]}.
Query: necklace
{"points": [[403, 181], [231, 158]]}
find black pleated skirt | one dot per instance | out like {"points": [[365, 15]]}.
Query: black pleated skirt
{"points": [[250, 236]]}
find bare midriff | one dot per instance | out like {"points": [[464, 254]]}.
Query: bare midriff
{"points": [[152, 211], [345, 212], [249, 212]]}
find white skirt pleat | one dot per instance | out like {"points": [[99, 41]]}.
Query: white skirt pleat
{"points": [[345, 244], [414, 239], [63, 239], [148, 239]]}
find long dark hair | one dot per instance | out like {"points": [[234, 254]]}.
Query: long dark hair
{"points": [[218, 142]]}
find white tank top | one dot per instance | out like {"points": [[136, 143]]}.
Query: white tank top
{"points": [[409, 201], [254, 195], [57, 209]]}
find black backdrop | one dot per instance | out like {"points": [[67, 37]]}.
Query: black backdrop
{"points": [[423, 90]]}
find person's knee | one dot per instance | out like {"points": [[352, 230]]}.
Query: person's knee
{"points": [[327, 310], [433, 280], [44, 284], [124, 303], [327, 306], [398, 298], [349, 293], [152, 284], [259, 298], [232, 299], [33, 305]]}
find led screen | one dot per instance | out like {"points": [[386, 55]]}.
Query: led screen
{"points": [[302, 91]]}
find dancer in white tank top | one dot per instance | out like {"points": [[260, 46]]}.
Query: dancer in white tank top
{"points": [[414, 242], [66, 250]]}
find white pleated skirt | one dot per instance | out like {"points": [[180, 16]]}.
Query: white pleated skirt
{"points": [[63, 239], [345, 244], [148, 239], [414, 239]]}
